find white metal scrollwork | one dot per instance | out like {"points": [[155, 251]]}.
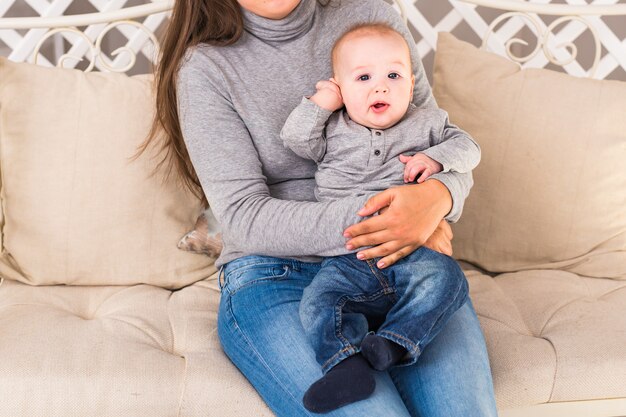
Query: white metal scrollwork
{"points": [[543, 38], [65, 57], [131, 53], [85, 33], [96, 49]]}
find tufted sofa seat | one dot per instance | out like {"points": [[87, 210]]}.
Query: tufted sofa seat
{"points": [[552, 336], [117, 350], [145, 350]]}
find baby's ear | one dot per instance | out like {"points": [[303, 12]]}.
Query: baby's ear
{"points": [[412, 83]]}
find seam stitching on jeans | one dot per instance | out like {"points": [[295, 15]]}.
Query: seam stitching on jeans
{"points": [[415, 349], [381, 278], [285, 274]]}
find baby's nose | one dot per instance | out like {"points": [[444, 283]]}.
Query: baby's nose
{"points": [[382, 89]]}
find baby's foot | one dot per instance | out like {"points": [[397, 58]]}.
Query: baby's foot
{"points": [[351, 380], [381, 353]]}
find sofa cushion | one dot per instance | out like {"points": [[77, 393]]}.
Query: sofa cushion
{"points": [[117, 351], [552, 336], [550, 191], [77, 209]]}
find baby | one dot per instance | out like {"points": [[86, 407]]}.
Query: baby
{"points": [[377, 141]]}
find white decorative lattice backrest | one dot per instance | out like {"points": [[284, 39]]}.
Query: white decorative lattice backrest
{"points": [[585, 39], [552, 28], [85, 33]]}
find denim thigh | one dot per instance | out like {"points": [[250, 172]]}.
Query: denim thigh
{"points": [[260, 331], [452, 377]]}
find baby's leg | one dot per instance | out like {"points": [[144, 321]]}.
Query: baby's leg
{"points": [[335, 331], [430, 288]]}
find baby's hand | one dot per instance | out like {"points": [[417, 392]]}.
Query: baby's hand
{"points": [[328, 95], [419, 163]]}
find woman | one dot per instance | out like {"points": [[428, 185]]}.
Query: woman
{"points": [[230, 73]]}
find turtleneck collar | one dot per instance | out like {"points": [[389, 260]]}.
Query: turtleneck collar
{"points": [[297, 23]]}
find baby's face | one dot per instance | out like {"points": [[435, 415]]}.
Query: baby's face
{"points": [[375, 77]]}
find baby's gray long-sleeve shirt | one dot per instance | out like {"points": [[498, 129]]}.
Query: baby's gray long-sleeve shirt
{"points": [[354, 160], [232, 103]]}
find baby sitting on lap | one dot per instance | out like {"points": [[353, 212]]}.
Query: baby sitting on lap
{"points": [[377, 141]]}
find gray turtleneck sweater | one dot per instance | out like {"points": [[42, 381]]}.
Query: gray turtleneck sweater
{"points": [[232, 104]]}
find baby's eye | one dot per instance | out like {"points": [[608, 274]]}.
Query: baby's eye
{"points": [[393, 75], [364, 77]]}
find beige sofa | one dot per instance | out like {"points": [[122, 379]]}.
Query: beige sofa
{"points": [[101, 314]]}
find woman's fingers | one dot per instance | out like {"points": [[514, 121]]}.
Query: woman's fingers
{"points": [[381, 251], [371, 225], [447, 230], [369, 239], [376, 203], [440, 246], [393, 250], [395, 256], [441, 239]]}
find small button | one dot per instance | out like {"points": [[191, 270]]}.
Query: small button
{"points": [[378, 133], [376, 152]]}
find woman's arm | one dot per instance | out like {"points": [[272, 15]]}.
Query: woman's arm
{"points": [[230, 172]]}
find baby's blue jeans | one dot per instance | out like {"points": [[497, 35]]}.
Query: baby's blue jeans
{"points": [[407, 303], [260, 330]]}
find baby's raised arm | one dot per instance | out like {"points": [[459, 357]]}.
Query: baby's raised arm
{"points": [[303, 132]]}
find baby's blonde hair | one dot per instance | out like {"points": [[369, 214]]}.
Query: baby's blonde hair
{"points": [[375, 28]]}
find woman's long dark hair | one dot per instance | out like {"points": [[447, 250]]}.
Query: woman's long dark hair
{"points": [[192, 22]]}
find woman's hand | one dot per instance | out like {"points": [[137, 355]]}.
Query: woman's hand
{"points": [[441, 239], [411, 215]]}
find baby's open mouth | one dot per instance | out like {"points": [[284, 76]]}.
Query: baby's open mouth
{"points": [[379, 106]]}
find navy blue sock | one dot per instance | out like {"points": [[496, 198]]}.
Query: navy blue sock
{"points": [[349, 381], [381, 353]]}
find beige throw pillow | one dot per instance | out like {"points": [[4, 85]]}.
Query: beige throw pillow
{"points": [[550, 191], [77, 209]]}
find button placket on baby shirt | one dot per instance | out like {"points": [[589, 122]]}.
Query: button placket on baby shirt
{"points": [[377, 150]]}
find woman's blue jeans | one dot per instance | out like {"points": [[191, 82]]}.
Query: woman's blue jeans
{"points": [[260, 330]]}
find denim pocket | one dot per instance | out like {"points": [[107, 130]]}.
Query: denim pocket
{"points": [[247, 275]]}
